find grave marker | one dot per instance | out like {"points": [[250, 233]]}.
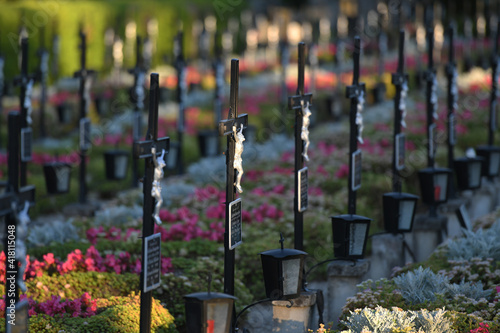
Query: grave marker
{"points": [[180, 65], [152, 150], [85, 76], [431, 100], [25, 81], [42, 76], [300, 104], [232, 128], [2, 88], [14, 205], [452, 105]]}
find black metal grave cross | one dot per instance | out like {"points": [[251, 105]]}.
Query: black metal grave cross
{"points": [[25, 81], [84, 125], [431, 100], [41, 76], [220, 70], [297, 103], [495, 73], [400, 80], [355, 93], [10, 204], [2, 87], [452, 75], [233, 121], [180, 65], [143, 150], [137, 95]]}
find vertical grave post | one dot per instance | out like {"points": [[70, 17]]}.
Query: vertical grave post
{"points": [[42, 76], [152, 150], [495, 72], [137, 96], [180, 65], [25, 81], [299, 103], [85, 76], [219, 70], [2, 88], [431, 100], [232, 128], [452, 97], [14, 205]]}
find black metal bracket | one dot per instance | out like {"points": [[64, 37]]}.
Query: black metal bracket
{"points": [[235, 328]]}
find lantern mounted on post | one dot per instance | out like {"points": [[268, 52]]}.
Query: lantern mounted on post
{"points": [[399, 211], [282, 269], [468, 171], [209, 312], [350, 234], [57, 177], [116, 163]]}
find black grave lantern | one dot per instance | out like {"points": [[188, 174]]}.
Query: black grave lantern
{"points": [[468, 172], [57, 177], [173, 155], [64, 113], [399, 211], [116, 162], [282, 270], [350, 233], [208, 312], [491, 155], [208, 141], [434, 185]]}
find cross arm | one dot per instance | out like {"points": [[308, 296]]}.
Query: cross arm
{"points": [[23, 79], [26, 194], [226, 126], [353, 91], [399, 78], [142, 149], [294, 102], [84, 73], [5, 203]]}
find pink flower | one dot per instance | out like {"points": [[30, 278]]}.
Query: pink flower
{"points": [[343, 171]]}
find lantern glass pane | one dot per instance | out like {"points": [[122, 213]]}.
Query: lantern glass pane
{"points": [[357, 235], [211, 145], [121, 166], [62, 179], [474, 174], [217, 313], [291, 272], [406, 208], [494, 163], [440, 186]]}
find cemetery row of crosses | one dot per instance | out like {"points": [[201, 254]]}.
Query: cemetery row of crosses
{"points": [[224, 240]]}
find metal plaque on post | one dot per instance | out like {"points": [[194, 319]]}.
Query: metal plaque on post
{"points": [[26, 144], [84, 133], [400, 151], [302, 190], [152, 262], [235, 224], [356, 170], [452, 130], [432, 138]]}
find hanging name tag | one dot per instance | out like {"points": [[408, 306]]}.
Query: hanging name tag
{"points": [[452, 130], [432, 143], [235, 224], [302, 190], [136, 129], [400, 151], [84, 133], [26, 144], [356, 170], [152, 262]]}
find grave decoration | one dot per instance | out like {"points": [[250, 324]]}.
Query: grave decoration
{"points": [[300, 103], [153, 151], [434, 181], [399, 208], [14, 205]]}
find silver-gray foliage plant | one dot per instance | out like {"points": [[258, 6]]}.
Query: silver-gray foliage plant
{"points": [[480, 244], [54, 231], [423, 285], [119, 216]]}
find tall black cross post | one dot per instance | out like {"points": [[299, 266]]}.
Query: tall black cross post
{"points": [[180, 65], [84, 125], [284, 60], [356, 93], [452, 75], [431, 100], [137, 98], [220, 71], [2, 87], [25, 81], [143, 150], [226, 129], [10, 203], [41, 76], [400, 80], [297, 103], [495, 73]]}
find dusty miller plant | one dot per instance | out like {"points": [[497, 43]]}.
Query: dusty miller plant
{"points": [[422, 285], [480, 244], [118, 216], [55, 231]]}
